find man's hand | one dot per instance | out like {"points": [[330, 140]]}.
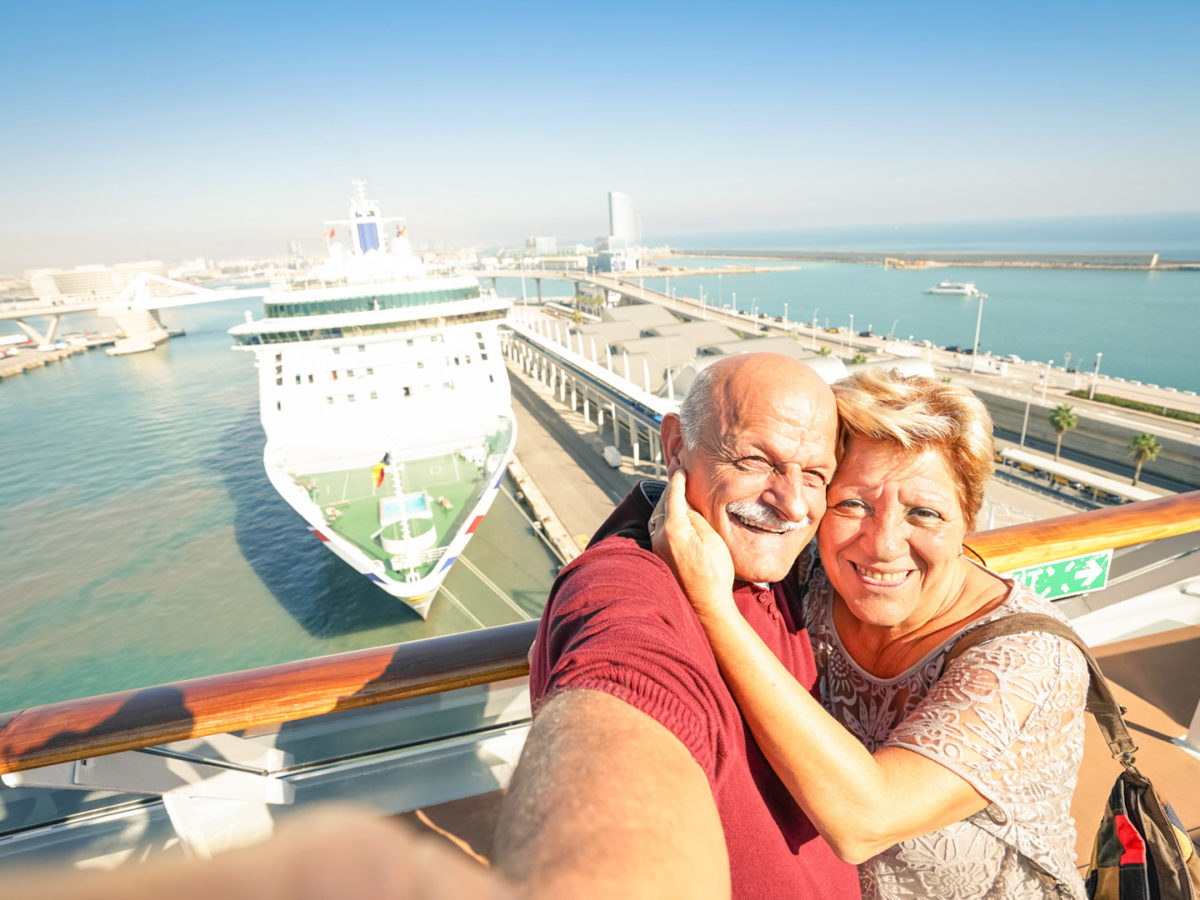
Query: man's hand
{"points": [[324, 854]]}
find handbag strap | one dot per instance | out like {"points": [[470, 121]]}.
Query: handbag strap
{"points": [[1100, 701]]}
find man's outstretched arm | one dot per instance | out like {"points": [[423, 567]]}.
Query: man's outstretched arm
{"points": [[607, 802]]}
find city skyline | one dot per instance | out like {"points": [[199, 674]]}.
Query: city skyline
{"points": [[139, 131]]}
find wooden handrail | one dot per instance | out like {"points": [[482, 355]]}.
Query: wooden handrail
{"points": [[1030, 543], [128, 720]]}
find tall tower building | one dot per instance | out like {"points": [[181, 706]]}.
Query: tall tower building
{"points": [[622, 218]]}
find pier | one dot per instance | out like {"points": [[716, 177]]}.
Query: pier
{"points": [[29, 357]]}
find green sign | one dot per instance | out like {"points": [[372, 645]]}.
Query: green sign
{"points": [[1065, 577]]}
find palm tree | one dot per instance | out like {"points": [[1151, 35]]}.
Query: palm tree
{"points": [[1063, 418], [1143, 448]]}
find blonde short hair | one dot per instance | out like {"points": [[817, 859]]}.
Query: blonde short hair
{"points": [[916, 413]]}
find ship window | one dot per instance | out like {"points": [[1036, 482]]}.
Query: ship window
{"points": [[278, 405], [481, 346], [408, 392], [310, 380], [448, 385], [350, 397], [457, 361], [483, 356], [349, 373], [333, 372], [374, 396], [370, 371], [297, 379], [492, 378], [479, 334], [278, 381], [278, 357], [337, 350], [409, 342], [362, 348], [328, 399], [420, 363], [468, 359]]}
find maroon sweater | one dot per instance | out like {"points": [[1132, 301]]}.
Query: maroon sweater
{"points": [[617, 622]]}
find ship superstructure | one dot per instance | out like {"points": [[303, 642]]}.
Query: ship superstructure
{"points": [[385, 402]]}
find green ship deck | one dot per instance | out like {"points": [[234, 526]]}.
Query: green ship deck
{"points": [[350, 502]]}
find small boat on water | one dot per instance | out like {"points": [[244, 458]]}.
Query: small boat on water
{"points": [[958, 288]]}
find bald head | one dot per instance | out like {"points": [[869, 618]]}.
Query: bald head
{"points": [[728, 384], [755, 438]]}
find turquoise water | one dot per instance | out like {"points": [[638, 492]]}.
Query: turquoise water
{"points": [[143, 543], [1174, 235], [1146, 324]]}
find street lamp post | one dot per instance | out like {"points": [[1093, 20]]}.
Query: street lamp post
{"points": [[1028, 400], [785, 313], [978, 322], [850, 332], [814, 334], [1095, 376]]}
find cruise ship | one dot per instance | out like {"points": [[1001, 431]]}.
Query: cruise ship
{"points": [[960, 288], [385, 401]]}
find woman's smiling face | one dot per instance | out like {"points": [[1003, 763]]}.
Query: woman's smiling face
{"points": [[892, 535]]}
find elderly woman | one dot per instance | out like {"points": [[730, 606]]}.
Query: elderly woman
{"points": [[949, 784]]}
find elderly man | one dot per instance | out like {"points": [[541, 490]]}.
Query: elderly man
{"points": [[639, 777]]}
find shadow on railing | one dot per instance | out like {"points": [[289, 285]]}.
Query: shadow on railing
{"points": [[128, 720]]}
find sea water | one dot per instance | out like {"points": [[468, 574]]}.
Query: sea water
{"points": [[144, 544], [1145, 325]]}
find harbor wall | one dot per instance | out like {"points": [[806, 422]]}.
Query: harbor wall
{"points": [[952, 258], [1179, 459]]}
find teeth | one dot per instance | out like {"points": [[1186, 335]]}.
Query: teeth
{"points": [[884, 577], [750, 524]]}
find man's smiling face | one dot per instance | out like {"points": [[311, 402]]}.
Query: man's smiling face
{"points": [[764, 457]]}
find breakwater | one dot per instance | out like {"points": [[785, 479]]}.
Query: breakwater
{"points": [[932, 258]]}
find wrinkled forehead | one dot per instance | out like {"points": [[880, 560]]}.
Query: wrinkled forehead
{"points": [[785, 413]]}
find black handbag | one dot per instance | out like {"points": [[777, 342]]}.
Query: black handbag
{"points": [[1141, 852]]}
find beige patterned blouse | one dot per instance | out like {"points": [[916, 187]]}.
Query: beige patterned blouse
{"points": [[1007, 716]]}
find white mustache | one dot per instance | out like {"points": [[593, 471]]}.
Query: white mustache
{"points": [[762, 516]]}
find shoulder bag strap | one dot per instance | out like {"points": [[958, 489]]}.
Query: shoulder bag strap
{"points": [[1100, 703]]}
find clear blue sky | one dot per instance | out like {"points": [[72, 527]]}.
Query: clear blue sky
{"points": [[218, 129]]}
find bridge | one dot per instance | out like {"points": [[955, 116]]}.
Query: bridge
{"points": [[631, 284], [134, 308]]}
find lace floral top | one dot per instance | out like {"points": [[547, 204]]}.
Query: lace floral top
{"points": [[965, 720]]}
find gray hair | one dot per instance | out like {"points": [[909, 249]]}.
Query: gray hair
{"points": [[696, 410]]}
